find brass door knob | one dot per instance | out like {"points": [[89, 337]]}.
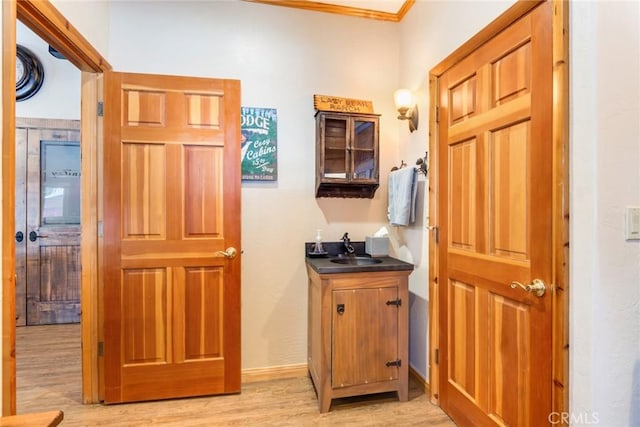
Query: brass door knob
{"points": [[230, 253], [537, 287]]}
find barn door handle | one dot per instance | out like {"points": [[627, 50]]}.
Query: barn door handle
{"points": [[33, 236], [230, 253], [537, 287], [19, 236]]}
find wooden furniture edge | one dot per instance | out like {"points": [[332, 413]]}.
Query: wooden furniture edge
{"points": [[560, 209], [38, 419], [8, 207]]}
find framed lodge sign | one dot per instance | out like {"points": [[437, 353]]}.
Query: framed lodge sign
{"points": [[259, 128]]}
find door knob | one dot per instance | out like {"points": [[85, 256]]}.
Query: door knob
{"points": [[33, 236], [537, 287], [19, 236], [230, 253]]}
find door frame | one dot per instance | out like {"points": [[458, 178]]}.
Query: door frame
{"points": [[48, 23], [560, 194]]}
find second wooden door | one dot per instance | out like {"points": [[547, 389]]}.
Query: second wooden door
{"points": [[171, 237]]}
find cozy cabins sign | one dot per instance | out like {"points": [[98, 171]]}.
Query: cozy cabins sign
{"points": [[259, 128]]}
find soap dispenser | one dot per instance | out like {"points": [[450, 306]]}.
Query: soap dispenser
{"points": [[318, 246]]}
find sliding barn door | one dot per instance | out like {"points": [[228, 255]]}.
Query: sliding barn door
{"points": [[171, 229]]}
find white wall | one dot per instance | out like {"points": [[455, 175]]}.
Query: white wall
{"points": [[59, 96], [605, 177], [429, 33], [283, 57], [90, 18]]}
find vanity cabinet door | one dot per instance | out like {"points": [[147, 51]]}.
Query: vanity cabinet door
{"points": [[365, 336]]}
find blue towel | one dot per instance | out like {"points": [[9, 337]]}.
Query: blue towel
{"points": [[403, 188]]}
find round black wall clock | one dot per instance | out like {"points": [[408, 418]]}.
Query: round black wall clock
{"points": [[29, 73]]}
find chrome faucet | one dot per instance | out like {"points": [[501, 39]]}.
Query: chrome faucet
{"points": [[347, 244]]}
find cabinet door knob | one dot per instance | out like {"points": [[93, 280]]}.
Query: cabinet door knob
{"points": [[340, 308]]}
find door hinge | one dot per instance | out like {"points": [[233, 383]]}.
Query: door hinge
{"points": [[396, 302], [100, 349], [436, 356], [100, 109], [437, 114], [397, 363], [436, 234]]}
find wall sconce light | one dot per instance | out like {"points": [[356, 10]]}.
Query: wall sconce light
{"points": [[407, 108]]}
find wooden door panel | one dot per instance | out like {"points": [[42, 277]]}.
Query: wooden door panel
{"points": [[203, 302], [509, 178], [509, 359], [463, 195], [203, 189], [144, 198], [511, 75], [172, 301], [144, 107], [360, 354], [494, 205], [462, 342], [462, 100], [144, 307]]}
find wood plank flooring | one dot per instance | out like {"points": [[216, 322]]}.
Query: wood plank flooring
{"points": [[49, 378]]}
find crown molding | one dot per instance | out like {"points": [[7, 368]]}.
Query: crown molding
{"points": [[341, 10]]}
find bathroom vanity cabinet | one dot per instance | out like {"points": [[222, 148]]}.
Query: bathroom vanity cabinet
{"points": [[346, 154], [358, 333]]}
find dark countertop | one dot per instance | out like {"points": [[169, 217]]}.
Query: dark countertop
{"points": [[323, 264]]}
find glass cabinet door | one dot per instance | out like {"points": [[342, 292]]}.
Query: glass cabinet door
{"points": [[363, 149], [335, 148]]}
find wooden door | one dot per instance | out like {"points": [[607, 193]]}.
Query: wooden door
{"points": [[494, 209], [48, 216], [365, 336], [172, 206]]}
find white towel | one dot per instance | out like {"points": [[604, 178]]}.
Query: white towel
{"points": [[403, 188]]}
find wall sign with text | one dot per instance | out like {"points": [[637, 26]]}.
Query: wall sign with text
{"points": [[259, 127]]}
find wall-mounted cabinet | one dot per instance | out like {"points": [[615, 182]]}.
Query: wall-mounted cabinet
{"points": [[347, 154]]}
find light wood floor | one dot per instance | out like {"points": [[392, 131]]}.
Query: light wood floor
{"points": [[48, 378]]}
